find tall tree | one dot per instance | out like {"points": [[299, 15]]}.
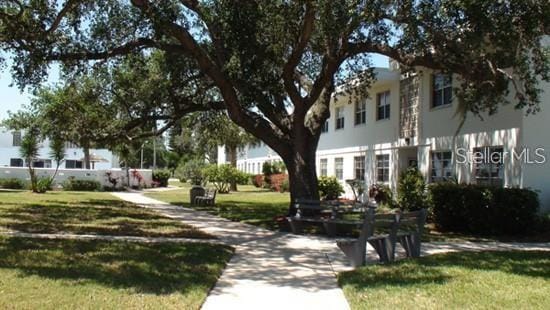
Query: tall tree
{"points": [[275, 64]]}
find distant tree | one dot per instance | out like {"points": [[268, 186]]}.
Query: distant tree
{"points": [[29, 151], [57, 153]]}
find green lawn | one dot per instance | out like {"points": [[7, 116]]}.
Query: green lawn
{"points": [[249, 205], [85, 213], [70, 274], [486, 280]]}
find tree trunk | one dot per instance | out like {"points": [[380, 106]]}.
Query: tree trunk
{"points": [[32, 175], [302, 174], [86, 150], [232, 152]]}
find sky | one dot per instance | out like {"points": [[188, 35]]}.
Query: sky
{"points": [[12, 99]]}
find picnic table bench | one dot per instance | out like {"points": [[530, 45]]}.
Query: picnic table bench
{"points": [[382, 232], [209, 198], [330, 214]]}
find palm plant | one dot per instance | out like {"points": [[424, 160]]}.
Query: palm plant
{"points": [[57, 153], [29, 151]]}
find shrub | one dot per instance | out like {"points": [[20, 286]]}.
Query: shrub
{"points": [[383, 195], [483, 210], [43, 185], [73, 184], [257, 180], [243, 178], [411, 192], [285, 186], [161, 177], [12, 183], [221, 176], [277, 181], [192, 171], [330, 188]]}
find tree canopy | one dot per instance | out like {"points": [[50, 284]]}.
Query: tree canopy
{"points": [[273, 65]]}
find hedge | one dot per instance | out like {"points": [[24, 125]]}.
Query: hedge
{"points": [[479, 209], [160, 177], [81, 185], [12, 183]]}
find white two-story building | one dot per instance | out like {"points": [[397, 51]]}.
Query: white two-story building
{"points": [[10, 142], [409, 120]]}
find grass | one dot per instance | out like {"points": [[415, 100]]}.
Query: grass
{"points": [[71, 274], [486, 280], [249, 205], [85, 213]]}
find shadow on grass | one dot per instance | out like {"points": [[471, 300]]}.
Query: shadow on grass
{"points": [[255, 213], [95, 216], [434, 268], [146, 268]]}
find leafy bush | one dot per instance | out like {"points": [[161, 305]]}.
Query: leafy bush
{"points": [[192, 171], [257, 180], [73, 184], [161, 177], [357, 186], [243, 178], [383, 195], [483, 210], [285, 186], [43, 185], [330, 188], [411, 192], [12, 183], [221, 176]]}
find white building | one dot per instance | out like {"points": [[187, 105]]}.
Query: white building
{"points": [[410, 120], [10, 157]]}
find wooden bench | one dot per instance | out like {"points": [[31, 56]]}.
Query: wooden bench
{"points": [[383, 243], [209, 198], [310, 211], [405, 228], [409, 234]]}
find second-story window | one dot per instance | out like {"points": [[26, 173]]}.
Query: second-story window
{"points": [[325, 127], [16, 138], [442, 90], [383, 106], [340, 119], [360, 112]]}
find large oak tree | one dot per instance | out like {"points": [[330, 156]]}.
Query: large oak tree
{"points": [[275, 64]]}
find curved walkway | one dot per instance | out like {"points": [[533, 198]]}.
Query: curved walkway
{"points": [[273, 270]]}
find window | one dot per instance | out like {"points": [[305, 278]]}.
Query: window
{"points": [[359, 164], [339, 168], [73, 164], [489, 166], [383, 106], [383, 168], [325, 127], [442, 90], [323, 167], [42, 163], [16, 138], [442, 169], [340, 118], [71, 145], [16, 162], [360, 112]]}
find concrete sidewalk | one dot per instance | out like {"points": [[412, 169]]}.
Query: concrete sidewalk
{"points": [[273, 270], [270, 270]]}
